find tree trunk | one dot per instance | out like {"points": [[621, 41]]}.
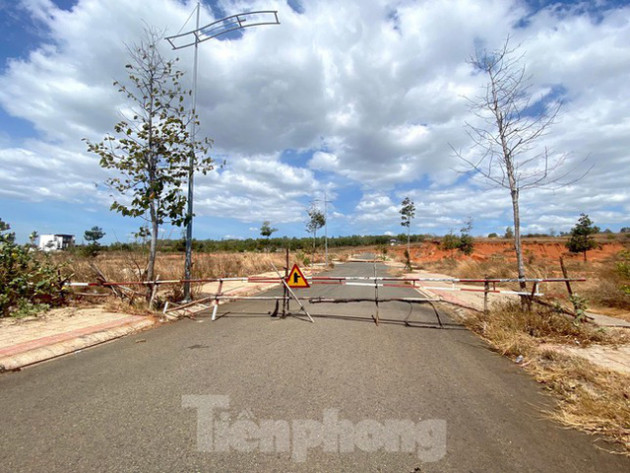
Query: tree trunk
{"points": [[517, 239], [514, 189], [525, 300], [313, 253], [152, 248], [152, 168], [408, 230]]}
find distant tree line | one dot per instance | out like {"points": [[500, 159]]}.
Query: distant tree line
{"points": [[259, 244]]}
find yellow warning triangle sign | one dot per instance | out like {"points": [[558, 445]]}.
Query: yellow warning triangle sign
{"points": [[296, 278]]}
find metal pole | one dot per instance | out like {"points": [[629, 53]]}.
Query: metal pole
{"points": [[191, 170], [326, 228], [285, 293], [376, 318]]}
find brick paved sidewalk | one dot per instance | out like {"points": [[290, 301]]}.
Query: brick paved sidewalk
{"points": [[62, 331], [24, 342]]}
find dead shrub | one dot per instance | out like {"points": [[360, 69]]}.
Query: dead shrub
{"points": [[592, 399], [507, 326]]}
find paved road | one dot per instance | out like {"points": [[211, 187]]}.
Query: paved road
{"points": [[433, 400]]}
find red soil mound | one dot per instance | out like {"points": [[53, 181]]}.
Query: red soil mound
{"points": [[430, 251]]}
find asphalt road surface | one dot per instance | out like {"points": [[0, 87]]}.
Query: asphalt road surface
{"points": [[251, 393]]}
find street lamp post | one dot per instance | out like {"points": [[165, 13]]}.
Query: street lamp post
{"points": [[193, 38]]}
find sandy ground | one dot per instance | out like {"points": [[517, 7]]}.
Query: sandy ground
{"points": [[69, 316]]}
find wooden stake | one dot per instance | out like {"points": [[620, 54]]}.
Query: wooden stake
{"points": [[565, 274]]}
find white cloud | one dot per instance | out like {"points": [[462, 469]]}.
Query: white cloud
{"points": [[375, 90], [322, 161]]}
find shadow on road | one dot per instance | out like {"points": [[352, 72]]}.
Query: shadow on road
{"points": [[348, 318]]}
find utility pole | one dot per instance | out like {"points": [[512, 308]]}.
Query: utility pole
{"points": [[191, 167], [325, 228]]}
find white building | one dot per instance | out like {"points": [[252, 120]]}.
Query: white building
{"points": [[55, 242]]}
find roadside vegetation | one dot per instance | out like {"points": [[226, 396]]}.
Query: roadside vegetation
{"points": [[591, 398], [30, 282], [547, 342]]}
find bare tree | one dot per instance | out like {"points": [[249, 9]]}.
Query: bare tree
{"points": [[505, 138]]}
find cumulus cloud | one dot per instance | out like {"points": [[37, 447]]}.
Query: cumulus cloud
{"points": [[374, 93]]}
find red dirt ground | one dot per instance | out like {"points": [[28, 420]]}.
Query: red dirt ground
{"points": [[484, 249]]}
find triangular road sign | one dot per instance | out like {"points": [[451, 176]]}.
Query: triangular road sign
{"points": [[296, 278]]}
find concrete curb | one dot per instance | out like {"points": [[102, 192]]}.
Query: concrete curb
{"points": [[46, 352]]}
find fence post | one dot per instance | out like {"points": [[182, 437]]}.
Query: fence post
{"points": [[216, 300], [285, 293], [154, 287], [376, 319], [486, 289], [565, 274]]}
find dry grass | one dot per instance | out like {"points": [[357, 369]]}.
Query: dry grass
{"points": [[603, 290], [130, 267], [590, 398], [611, 277], [496, 266]]}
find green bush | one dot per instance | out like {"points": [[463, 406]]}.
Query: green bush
{"points": [[466, 244], [450, 242], [26, 277], [623, 270]]}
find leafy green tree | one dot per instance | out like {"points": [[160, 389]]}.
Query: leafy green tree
{"points": [[266, 230], [316, 220], [509, 233], [407, 214], [92, 236], [581, 239], [152, 147], [493, 235], [7, 237], [32, 238], [466, 242]]}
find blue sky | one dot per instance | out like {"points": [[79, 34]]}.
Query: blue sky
{"points": [[364, 100]]}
